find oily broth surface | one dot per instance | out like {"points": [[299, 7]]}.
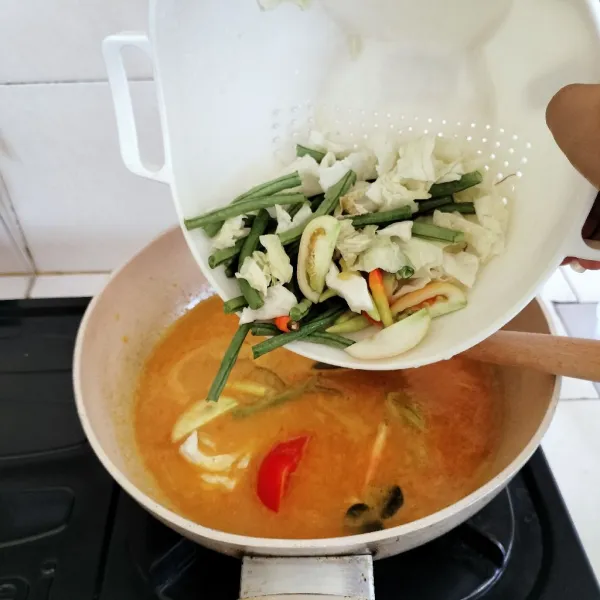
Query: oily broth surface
{"points": [[434, 467]]}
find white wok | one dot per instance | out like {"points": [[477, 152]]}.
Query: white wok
{"points": [[118, 332]]}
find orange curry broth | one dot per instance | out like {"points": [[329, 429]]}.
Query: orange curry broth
{"points": [[435, 466]]}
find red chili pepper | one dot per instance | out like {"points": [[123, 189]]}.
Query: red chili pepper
{"points": [[275, 470], [286, 324], [380, 297]]}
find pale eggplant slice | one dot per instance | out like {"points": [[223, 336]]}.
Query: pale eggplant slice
{"points": [[440, 299], [396, 339], [315, 255], [199, 414]]}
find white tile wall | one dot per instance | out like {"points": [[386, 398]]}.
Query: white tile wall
{"points": [[68, 286], [11, 260], [59, 40], [79, 207]]}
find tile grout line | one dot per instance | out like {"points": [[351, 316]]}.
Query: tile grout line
{"points": [[69, 81]]}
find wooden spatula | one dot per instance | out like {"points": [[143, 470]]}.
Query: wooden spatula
{"points": [[572, 357]]}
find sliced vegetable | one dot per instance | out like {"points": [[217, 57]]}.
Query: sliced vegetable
{"points": [[400, 405], [278, 301], [377, 451], [234, 305], [379, 218], [329, 339], [394, 340], [352, 287], [406, 272], [326, 207], [434, 232], [390, 282], [276, 400], [251, 388], [303, 151], [279, 262], [192, 453], [276, 469], [230, 268], [227, 363], [315, 255], [433, 203], [219, 480], [356, 511], [357, 323], [319, 324], [452, 187], [241, 208], [299, 312], [198, 414], [465, 208], [268, 188], [220, 256], [253, 297], [371, 320], [264, 329], [392, 503], [286, 324], [380, 297], [438, 298]]}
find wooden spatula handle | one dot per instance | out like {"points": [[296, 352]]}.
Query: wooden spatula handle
{"points": [[572, 357]]}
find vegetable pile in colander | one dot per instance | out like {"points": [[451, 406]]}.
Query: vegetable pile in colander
{"points": [[388, 237]]}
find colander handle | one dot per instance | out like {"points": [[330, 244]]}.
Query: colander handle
{"points": [[112, 48]]}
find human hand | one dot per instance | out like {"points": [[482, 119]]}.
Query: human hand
{"points": [[573, 117]]}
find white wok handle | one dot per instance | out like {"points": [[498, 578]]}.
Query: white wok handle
{"points": [[112, 48], [310, 578]]}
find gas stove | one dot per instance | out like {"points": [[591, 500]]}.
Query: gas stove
{"points": [[68, 532]]}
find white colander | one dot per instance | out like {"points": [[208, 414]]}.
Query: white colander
{"points": [[237, 87]]}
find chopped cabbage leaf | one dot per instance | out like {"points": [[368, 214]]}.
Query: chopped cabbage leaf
{"points": [[232, 230], [278, 302], [492, 213], [402, 230], [309, 170], [485, 243], [355, 202], [390, 192], [416, 160], [212, 479], [285, 222], [448, 160], [382, 253], [386, 153], [320, 141], [279, 261], [330, 175], [219, 462], [352, 242], [256, 271], [352, 287], [426, 257], [462, 266]]}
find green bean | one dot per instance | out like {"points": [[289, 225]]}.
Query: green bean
{"points": [[293, 210], [264, 329], [405, 272], [380, 218], [467, 181], [320, 323], [465, 208], [254, 299], [329, 339], [316, 201], [332, 197], [303, 151], [230, 267], [299, 312], [219, 257], [428, 205], [437, 233], [268, 188], [241, 208], [228, 362], [234, 305]]}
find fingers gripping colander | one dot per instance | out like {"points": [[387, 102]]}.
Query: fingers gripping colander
{"points": [[237, 87]]}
